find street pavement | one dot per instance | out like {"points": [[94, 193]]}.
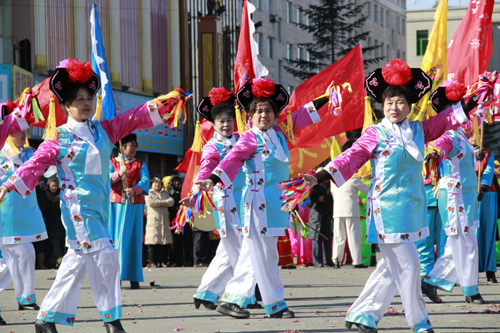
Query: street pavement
{"points": [[318, 296]]}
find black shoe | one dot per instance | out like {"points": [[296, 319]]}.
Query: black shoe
{"points": [[288, 267], [285, 314], [233, 310], [309, 264], [44, 327], [114, 327], [430, 330], [2, 322], [431, 292], [360, 266], [256, 305], [134, 285], [207, 304], [336, 265], [32, 306], [477, 299], [361, 327], [491, 277]]}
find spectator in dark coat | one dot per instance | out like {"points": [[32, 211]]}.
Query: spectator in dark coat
{"points": [[320, 218]]}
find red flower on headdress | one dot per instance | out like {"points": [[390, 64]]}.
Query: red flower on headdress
{"points": [[263, 88], [455, 91], [397, 72], [219, 95], [78, 71]]}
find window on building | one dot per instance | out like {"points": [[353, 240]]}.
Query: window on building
{"points": [[270, 47], [404, 56], [308, 20], [369, 10], [393, 38], [388, 52], [289, 12], [382, 49], [270, 6], [369, 45], [279, 29], [260, 41], [388, 20], [280, 70], [376, 50], [290, 89], [398, 54], [422, 40], [289, 51], [403, 27], [257, 4], [398, 24], [375, 13], [381, 15], [299, 53], [299, 14], [308, 58]]}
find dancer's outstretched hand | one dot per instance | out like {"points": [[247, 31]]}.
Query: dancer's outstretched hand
{"points": [[206, 184], [3, 191], [310, 179]]}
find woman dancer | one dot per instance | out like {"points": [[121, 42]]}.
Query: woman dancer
{"points": [[80, 149], [262, 151], [397, 215]]}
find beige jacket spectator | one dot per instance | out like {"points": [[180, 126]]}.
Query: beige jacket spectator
{"points": [[158, 220], [346, 221]]}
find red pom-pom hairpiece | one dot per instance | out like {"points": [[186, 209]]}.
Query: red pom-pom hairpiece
{"points": [[219, 95], [455, 91], [78, 71], [396, 72], [263, 88]]}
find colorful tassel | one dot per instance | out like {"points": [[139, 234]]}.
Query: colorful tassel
{"points": [[287, 128], [240, 119], [197, 145], [50, 127], [483, 91], [199, 201], [335, 97], [178, 107], [37, 113], [98, 108], [475, 126], [184, 215], [295, 191], [23, 94]]}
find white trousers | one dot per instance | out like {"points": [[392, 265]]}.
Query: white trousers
{"points": [[459, 261], [399, 269], [103, 268], [20, 259], [260, 255], [5, 277], [221, 269], [350, 226]]}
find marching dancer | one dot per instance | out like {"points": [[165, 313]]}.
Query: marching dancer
{"points": [[218, 108], [263, 153], [458, 206], [397, 211], [80, 150], [20, 227]]}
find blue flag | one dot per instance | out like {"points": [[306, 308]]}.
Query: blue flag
{"points": [[100, 66]]}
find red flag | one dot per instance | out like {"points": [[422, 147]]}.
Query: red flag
{"points": [[192, 160], [471, 47], [247, 65], [350, 69]]}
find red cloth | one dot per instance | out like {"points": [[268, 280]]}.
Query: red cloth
{"points": [[471, 45], [243, 64], [350, 69], [285, 250], [133, 174]]}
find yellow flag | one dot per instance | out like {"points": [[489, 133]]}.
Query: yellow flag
{"points": [[435, 62]]}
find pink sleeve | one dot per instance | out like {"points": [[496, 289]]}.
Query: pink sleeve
{"points": [[230, 165], [12, 123], [115, 177], [447, 120], [145, 115], [342, 167], [26, 177], [445, 143], [209, 159]]}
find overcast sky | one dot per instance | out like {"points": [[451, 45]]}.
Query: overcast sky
{"points": [[426, 4]]}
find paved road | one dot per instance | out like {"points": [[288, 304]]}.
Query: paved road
{"points": [[319, 297]]}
